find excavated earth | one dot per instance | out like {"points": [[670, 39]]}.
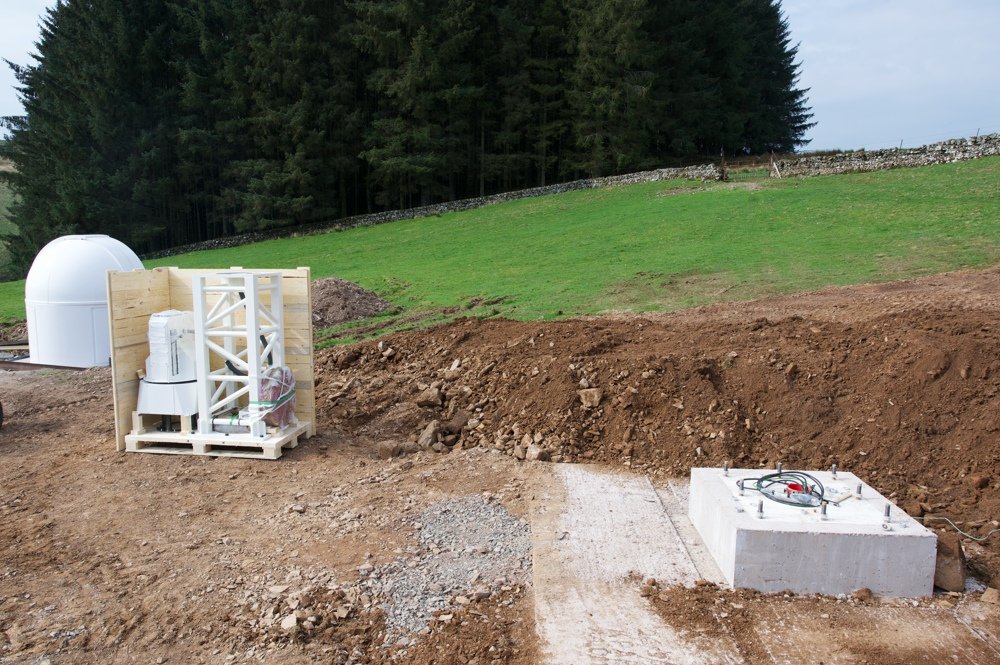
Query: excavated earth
{"points": [[356, 547], [336, 300]]}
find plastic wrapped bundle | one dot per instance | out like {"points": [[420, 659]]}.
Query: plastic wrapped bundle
{"points": [[277, 394]]}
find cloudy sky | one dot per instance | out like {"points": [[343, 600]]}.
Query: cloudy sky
{"points": [[885, 71], [880, 72]]}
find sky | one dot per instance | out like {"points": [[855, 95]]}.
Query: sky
{"points": [[880, 73]]}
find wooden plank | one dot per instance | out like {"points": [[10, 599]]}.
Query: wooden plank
{"points": [[132, 296], [298, 298], [130, 360], [303, 371], [135, 293], [297, 344], [302, 374], [130, 331], [131, 325], [297, 319], [126, 397], [286, 273], [308, 409]]}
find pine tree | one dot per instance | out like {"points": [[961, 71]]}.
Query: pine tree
{"points": [[49, 145], [94, 150], [417, 143], [779, 118], [682, 88], [207, 45], [168, 121], [754, 106], [609, 85], [505, 108], [299, 119], [547, 67]]}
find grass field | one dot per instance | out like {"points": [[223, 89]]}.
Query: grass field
{"points": [[649, 247]]}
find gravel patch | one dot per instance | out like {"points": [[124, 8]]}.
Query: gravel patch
{"points": [[471, 547]]}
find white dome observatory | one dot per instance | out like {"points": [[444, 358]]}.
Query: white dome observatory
{"points": [[66, 299]]}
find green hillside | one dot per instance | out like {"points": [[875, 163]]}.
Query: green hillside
{"points": [[649, 247]]}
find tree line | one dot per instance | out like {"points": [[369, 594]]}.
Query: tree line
{"points": [[164, 122]]}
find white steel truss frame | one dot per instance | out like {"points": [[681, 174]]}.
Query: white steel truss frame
{"points": [[242, 347]]}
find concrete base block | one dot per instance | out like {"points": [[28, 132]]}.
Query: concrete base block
{"points": [[796, 548]]}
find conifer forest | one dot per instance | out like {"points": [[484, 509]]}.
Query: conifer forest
{"points": [[165, 122]]}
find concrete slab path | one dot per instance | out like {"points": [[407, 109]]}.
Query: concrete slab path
{"points": [[597, 533]]}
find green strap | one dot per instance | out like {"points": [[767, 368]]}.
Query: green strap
{"points": [[284, 398]]}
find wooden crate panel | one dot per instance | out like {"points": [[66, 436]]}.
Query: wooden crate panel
{"points": [[297, 344], [126, 397], [297, 319], [301, 365], [139, 292], [131, 359], [130, 331]]}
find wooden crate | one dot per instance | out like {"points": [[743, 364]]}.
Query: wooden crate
{"points": [[134, 296]]}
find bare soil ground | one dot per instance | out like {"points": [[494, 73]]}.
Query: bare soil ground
{"points": [[121, 558]]}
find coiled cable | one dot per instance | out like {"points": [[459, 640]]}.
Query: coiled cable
{"points": [[792, 488]]}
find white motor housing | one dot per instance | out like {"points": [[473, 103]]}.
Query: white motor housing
{"points": [[170, 384], [171, 347]]}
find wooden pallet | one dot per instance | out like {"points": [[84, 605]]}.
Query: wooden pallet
{"points": [[216, 444]]}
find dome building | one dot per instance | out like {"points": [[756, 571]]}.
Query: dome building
{"points": [[65, 296]]}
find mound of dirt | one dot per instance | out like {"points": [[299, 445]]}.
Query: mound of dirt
{"points": [[336, 301], [907, 397]]}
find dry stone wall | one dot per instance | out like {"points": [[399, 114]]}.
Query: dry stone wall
{"points": [[892, 158], [809, 165]]}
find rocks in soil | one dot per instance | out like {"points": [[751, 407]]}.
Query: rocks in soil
{"points": [[389, 449], [979, 481], [706, 388], [536, 453], [991, 596], [590, 397], [430, 397], [949, 570], [429, 436], [457, 423], [668, 395]]}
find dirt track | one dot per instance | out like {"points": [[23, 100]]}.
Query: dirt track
{"points": [[108, 557]]}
